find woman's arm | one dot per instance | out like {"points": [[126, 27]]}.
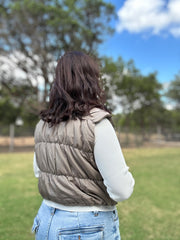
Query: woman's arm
{"points": [[35, 167], [110, 162]]}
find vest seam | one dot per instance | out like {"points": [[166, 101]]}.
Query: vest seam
{"points": [[100, 180], [65, 145]]}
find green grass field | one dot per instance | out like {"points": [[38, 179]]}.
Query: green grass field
{"points": [[152, 212]]}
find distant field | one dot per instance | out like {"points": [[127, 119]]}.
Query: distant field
{"points": [[152, 213], [130, 140], [18, 141]]}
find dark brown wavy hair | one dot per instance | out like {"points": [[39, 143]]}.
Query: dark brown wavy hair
{"points": [[75, 90]]}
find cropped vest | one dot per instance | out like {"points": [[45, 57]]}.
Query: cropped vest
{"points": [[65, 157]]}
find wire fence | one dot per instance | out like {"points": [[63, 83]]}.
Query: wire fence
{"points": [[20, 138], [148, 138]]}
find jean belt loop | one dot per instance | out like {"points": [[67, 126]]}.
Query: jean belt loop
{"points": [[53, 211], [96, 213]]}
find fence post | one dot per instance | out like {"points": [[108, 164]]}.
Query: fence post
{"points": [[11, 136]]}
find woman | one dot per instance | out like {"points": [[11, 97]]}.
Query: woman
{"points": [[78, 160]]}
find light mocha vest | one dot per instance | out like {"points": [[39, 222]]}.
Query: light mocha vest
{"points": [[64, 155]]}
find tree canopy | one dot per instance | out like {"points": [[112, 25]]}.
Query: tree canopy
{"points": [[35, 33], [174, 91]]}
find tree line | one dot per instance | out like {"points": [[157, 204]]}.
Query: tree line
{"points": [[34, 34]]}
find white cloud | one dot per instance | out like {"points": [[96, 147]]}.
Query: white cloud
{"points": [[175, 31], [155, 16]]}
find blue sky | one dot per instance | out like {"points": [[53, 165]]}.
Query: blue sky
{"points": [[148, 32]]}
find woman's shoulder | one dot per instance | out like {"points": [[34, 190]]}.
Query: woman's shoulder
{"points": [[40, 125], [97, 114]]}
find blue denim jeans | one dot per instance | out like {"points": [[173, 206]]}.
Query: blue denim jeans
{"points": [[54, 224]]}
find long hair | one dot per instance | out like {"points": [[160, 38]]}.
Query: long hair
{"points": [[75, 90]]}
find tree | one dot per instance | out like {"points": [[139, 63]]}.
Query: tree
{"points": [[143, 100], [121, 80], [174, 91], [8, 111], [139, 96], [35, 33], [112, 72]]}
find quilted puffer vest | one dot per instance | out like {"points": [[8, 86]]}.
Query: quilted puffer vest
{"points": [[64, 155]]}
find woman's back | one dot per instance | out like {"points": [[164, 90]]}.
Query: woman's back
{"points": [[65, 157], [78, 160]]}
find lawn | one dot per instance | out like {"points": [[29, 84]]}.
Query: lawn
{"points": [[152, 212]]}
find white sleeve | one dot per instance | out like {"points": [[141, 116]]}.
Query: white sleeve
{"points": [[110, 162], [35, 167]]}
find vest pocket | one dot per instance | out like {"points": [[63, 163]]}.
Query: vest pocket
{"points": [[83, 233]]}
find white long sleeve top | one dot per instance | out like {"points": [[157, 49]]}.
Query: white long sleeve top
{"points": [[112, 166]]}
